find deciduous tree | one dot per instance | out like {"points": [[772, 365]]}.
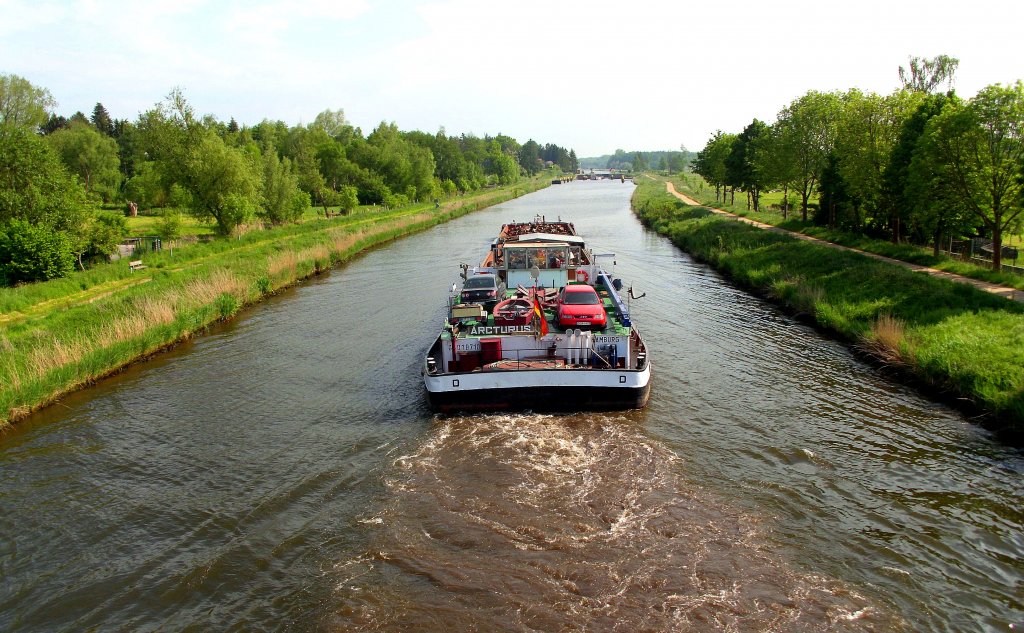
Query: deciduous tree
{"points": [[91, 156], [811, 127], [23, 104], [282, 199], [896, 176], [866, 133], [34, 185], [980, 147], [710, 161], [925, 75], [743, 167], [223, 185]]}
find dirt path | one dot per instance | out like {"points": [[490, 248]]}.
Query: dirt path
{"points": [[1003, 291]]}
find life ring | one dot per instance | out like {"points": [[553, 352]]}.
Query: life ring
{"points": [[581, 275]]}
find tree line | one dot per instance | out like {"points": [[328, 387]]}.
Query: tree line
{"points": [[670, 161], [919, 165], [57, 174]]}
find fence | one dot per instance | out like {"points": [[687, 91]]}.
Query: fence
{"points": [[979, 252]]}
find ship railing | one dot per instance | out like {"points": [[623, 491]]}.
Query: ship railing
{"points": [[576, 357]]}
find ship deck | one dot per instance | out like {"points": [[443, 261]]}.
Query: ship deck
{"points": [[614, 325]]}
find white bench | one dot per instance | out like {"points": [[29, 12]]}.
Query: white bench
{"points": [[136, 265]]}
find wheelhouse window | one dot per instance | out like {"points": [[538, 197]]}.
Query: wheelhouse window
{"points": [[544, 258]]}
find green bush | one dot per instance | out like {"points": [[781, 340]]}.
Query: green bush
{"points": [[33, 253]]}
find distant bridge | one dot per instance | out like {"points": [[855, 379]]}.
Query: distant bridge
{"points": [[602, 174]]}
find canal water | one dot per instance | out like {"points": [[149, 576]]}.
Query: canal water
{"points": [[284, 473]]}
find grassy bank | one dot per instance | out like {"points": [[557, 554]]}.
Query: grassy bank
{"points": [[58, 336], [695, 187], [959, 341]]}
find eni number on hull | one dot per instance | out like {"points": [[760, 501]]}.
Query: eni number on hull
{"points": [[538, 325]]}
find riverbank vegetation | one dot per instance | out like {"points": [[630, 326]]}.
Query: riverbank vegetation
{"points": [[770, 212], [240, 211], [61, 177], [959, 341], [915, 166], [59, 335]]}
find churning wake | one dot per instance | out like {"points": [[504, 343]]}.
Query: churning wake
{"points": [[544, 523]]}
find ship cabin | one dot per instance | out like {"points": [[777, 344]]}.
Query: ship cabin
{"points": [[546, 260]]}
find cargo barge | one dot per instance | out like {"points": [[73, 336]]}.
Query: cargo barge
{"points": [[538, 325]]}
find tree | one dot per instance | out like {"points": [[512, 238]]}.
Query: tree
{"points": [[23, 104], [330, 121], [836, 208], [34, 185], [931, 202], [925, 75], [811, 127], [282, 199], [743, 169], [222, 184], [710, 161], [146, 188], [164, 137], [54, 123], [102, 234], [529, 157], [774, 158], [979, 146], [101, 120], [896, 176], [502, 164], [168, 227], [866, 133], [91, 156], [677, 162], [348, 198], [619, 160]]}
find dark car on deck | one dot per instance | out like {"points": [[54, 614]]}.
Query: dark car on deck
{"points": [[484, 289]]}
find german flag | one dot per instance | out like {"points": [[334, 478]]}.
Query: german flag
{"points": [[540, 315]]}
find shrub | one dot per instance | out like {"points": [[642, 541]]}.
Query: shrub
{"points": [[33, 253]]}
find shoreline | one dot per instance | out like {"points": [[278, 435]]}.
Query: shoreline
{"points": [[143, 318], [947, 340]]}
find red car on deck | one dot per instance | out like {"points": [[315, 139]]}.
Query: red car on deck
{"points": [[579, 306]]}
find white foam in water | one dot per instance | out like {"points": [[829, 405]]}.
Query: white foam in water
{"points": [[589, 519]]}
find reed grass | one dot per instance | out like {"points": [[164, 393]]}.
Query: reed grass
{"points": [[962, 343]]}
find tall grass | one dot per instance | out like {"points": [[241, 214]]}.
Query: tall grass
{"points": [[60, 335], [960, 341]]}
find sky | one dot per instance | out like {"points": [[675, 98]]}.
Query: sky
{"points": [[591, 76]]}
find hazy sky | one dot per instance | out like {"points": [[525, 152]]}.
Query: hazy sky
{"points": [[592, 76]]}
